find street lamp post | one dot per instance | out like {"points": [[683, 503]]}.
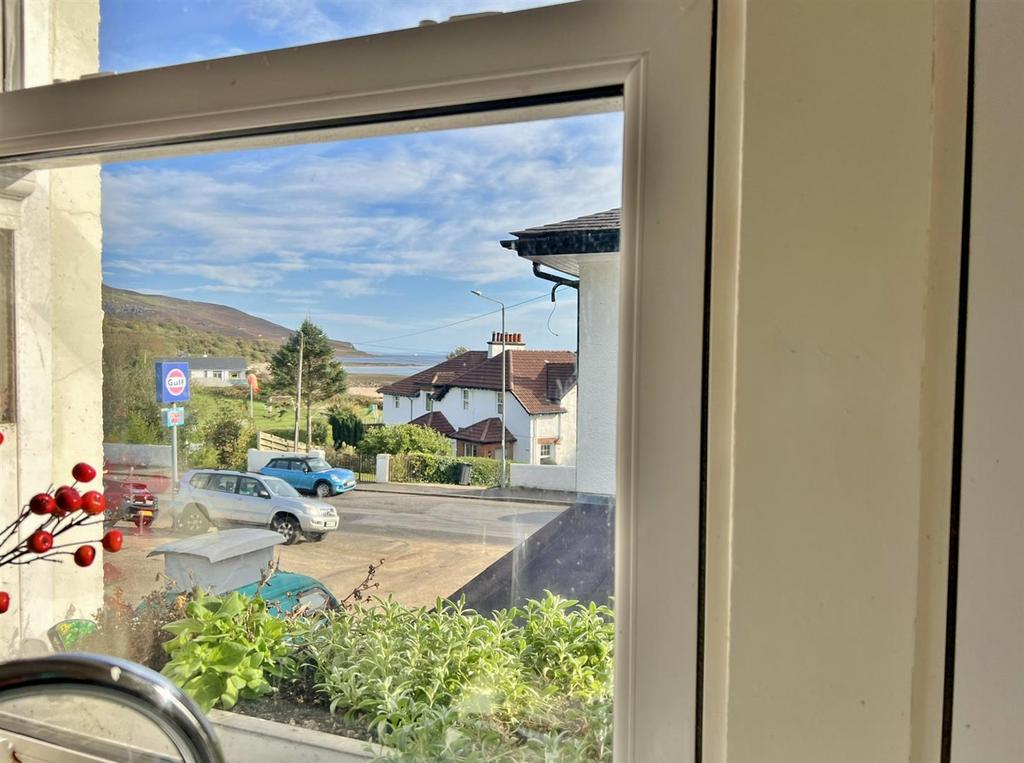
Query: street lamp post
{"points": [[504, 400]]}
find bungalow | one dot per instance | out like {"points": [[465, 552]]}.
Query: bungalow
{"points": [[461, 398], [214, 371]]}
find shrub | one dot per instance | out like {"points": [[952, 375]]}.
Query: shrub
{"points": [[347, 426], [225, 649], [428, 467], [532, 684], [321, 432], [229, 437], [484, 471], [404, 438]]}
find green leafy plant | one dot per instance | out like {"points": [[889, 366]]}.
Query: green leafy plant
{"points": [[443, 469], [531, 684], [404, 438], [229, 437], [227, 648]]}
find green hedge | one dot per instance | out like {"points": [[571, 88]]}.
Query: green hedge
{"points": [[427, 467]]}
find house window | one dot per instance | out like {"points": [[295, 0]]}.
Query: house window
{"points": [[465, 399], [500, 397], [469, 449], [296, 85], [398, 403], [7, 402], [429, 402], [218, 374], [547, 453]]}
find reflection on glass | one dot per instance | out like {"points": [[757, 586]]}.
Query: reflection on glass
{"points": [[73, 722], [142, 34]]}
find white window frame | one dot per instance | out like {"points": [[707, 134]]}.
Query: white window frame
{"points": [[465, 399], [659, 53], [499, 401], [428, 402], [398, 402], [550, 454]]}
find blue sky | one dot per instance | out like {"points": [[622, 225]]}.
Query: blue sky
{"points": [[372, 239]]}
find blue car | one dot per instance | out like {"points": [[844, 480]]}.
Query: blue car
{"points": [[312, 474]]}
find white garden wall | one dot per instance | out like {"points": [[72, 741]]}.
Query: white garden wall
{"points": [[543, 477]]}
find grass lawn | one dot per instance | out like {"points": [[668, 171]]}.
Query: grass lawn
{"points": [[277, 420]]}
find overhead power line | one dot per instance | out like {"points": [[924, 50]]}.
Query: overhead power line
{"points": [[380, 340]]}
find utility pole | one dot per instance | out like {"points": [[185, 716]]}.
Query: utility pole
{"points": [[504, 397], [298, 389]]}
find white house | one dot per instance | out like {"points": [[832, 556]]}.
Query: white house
{"points": [[214, 371], [585, 253], [461, 398]]}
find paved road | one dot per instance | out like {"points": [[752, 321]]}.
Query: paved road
{"points": [[441, 518], [432, 545]]}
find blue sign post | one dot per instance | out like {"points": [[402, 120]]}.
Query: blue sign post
{"points": [[172, 386]]}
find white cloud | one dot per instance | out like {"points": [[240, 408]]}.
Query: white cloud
{"points": [[306, 21], [353, 219], [353, 287]]}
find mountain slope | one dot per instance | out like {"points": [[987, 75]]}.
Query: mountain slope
{"points": [[207, 317]]}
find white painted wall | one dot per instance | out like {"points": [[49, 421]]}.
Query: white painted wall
{"points": [[58, 319], [543, 477], [257, 459], [598, 369]]}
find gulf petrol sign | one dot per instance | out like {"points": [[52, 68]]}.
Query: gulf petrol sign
{"points": [[172, 382]]}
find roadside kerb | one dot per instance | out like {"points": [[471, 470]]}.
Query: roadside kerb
{"points": [[465, 495]]}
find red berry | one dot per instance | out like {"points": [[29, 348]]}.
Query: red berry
{"points": [[93, 502], [42, 503], [68, 499], [1, 443], [83, 472], [40, 541], [84, 555], [112, 541], [5, 601]]}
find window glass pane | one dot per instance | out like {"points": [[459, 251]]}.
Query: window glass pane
{"points": [[143, 34], [248, 486], [224, 483], [388, 266]]}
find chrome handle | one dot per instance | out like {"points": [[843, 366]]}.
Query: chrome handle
{"points": [[127, 683]]}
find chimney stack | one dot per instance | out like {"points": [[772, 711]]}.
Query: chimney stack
{"points": [[513, 341]]}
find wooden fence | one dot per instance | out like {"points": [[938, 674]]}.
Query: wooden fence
{"points": [[267, 441]]}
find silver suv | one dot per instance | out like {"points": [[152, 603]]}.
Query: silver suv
{"points": [[221, 498]]}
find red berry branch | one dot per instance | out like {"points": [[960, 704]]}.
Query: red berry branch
{"points": [[63, 509]]}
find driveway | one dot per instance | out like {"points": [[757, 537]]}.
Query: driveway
{"points": [[432, 545]]}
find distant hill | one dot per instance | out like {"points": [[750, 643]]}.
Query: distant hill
{"points": [[205, 318]]}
